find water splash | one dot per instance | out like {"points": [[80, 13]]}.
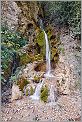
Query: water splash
{"points": [[36, 95]]}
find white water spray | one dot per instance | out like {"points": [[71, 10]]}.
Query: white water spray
{"points": [[36, 95]]}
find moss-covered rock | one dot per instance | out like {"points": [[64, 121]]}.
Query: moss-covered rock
{"points": [[53, 52], [24, 59], [31, 90], [36, 79], [44, 94], [38, 57], [40, 39], [22, 82], [27, 92], [49, 34], [56, 58], [54, 42], [43, 52]]}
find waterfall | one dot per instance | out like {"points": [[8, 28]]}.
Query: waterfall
{"points": [[48, 63], [36, 95]]}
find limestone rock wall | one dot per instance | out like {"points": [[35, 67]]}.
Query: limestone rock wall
{"points": [[9, 14], [20, 15]]}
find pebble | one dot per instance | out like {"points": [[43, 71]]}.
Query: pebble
{"points": [[10, 118], [31, 106], [18, 110], [6, 119], [7, 112]]}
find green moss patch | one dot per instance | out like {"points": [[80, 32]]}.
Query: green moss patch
{"points": [[27, 92], [38, 57], [31, 90], [40, 39], [44, 94], [53, 52], [24, 59], [49, 34], [36, 79]]}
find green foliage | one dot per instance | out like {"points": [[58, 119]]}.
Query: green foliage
{"points": [[44, 94], [31, 90], [13, 40], [15, 76], [38, 57], [24, 59], [40, 38], [53, 52], [49, 34], [2, 80], [40, 43], [10, 44], [36, 79], [27, 92], [64, 13]]}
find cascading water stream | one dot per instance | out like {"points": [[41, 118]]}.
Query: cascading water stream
{"points": [[36, 95], [48, 63]]}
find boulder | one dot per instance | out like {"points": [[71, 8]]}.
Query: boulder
{"points": [[16, 93]]}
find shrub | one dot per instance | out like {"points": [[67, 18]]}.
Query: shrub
{"points": [[36, 79], [44, 94], [22, 82], [24, 59], [38, 57], [67, 13], [27, 92], [40, 43], [31, 90], [10, 44], [40, 38]]}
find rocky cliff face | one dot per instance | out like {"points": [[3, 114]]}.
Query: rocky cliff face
{"points": [[24, 17], [28, 17], [20, 15], [9, 14]]}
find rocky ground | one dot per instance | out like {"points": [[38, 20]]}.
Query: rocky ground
{"points": [[66, 108], [67, 82]]}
